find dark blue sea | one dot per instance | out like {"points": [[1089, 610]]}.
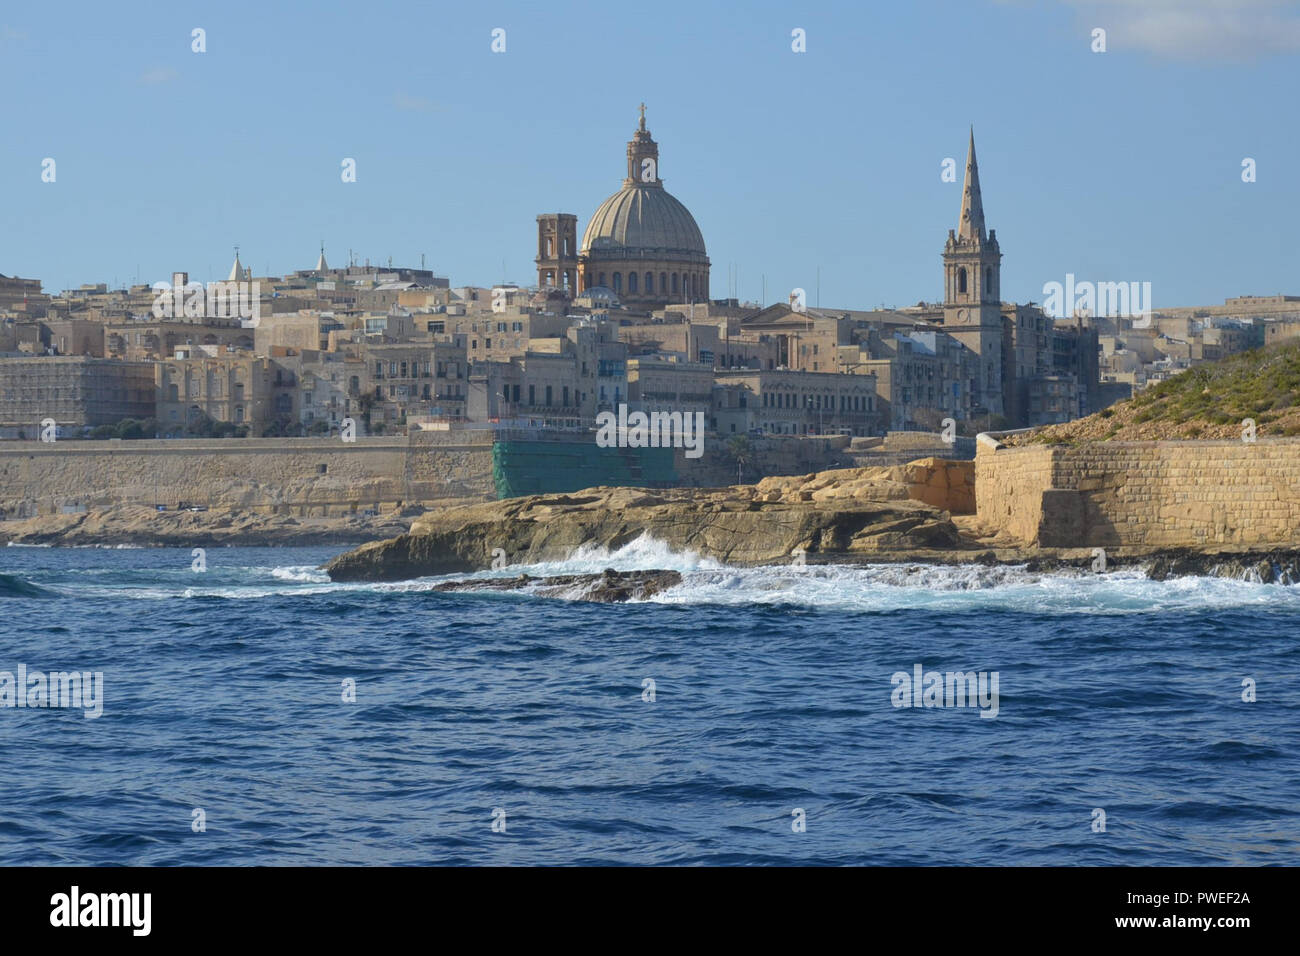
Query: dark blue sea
{"points": [[508, 728]]}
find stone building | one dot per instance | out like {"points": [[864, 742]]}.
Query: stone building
{"points": [[557, 252], [641, 242], [972, 307], [786, 402], [75, 391], [659, 385], [241, 389], [20, 294], [427, 379]]}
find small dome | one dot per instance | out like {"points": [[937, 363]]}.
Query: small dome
{"points": [[644, 221]]}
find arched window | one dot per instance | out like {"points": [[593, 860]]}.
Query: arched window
{"points": [[988, 281], [961, 279], [663, 282], [631, 282], [649, 283], [618, 282], [674, 283], [602, 279]]}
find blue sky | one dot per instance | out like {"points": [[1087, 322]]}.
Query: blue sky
{"points": [[1116, 166]]}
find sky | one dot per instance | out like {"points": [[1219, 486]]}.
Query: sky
{"points": [[818, 169]]}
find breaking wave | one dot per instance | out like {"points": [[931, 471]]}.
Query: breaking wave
{"points": [[13, 586], [867, 587]]}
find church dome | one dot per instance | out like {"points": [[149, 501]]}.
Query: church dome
{"points": [[641, 242], [643, 220]]}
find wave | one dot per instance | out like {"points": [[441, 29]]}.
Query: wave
{"points": [[890, 587], [305, 573], [646, 553], [868, 588], [13, 586]]}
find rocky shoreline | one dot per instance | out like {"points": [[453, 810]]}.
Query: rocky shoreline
{"points": [[607, 587], [136, 526], [853, 516]]}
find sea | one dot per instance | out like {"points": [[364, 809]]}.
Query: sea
{"points": [[252, 712]]}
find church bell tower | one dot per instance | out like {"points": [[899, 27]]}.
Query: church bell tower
{"points": [[972, 287]]}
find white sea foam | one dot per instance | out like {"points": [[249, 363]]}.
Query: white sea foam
{"points": [[862, 587], [885, 587], [302, 572], [644, 554]]}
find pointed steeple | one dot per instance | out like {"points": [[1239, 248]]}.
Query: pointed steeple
{"points": [[971, 224], [321, 266], [236, 270]]}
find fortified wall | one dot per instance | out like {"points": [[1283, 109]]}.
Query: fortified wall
{"points": [[300, 476], [1142, 494], [327, 476]]}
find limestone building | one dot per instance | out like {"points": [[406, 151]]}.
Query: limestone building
{"points": [[641, 242], [972, 305]]}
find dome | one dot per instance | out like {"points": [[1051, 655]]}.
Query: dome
{"points": [[642, 242], [643, 220]]}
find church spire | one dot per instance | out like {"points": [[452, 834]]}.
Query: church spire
{"points": [[971, 225], [236, 269]]}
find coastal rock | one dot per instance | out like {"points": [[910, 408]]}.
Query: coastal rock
{"points": [[839, 514], [608, 587], [136, 525]]}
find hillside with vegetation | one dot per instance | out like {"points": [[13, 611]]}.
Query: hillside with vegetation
{"points": [[1207, 401]]}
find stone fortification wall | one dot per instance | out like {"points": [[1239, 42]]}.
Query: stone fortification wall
{"points": [[301, 476], [1143, 494]]}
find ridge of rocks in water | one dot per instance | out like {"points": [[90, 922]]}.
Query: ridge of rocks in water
{"points": [[857, 516], [607, 587], [850, 513]]}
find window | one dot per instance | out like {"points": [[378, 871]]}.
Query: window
{"points": [[631, 282], [961, 279]]}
